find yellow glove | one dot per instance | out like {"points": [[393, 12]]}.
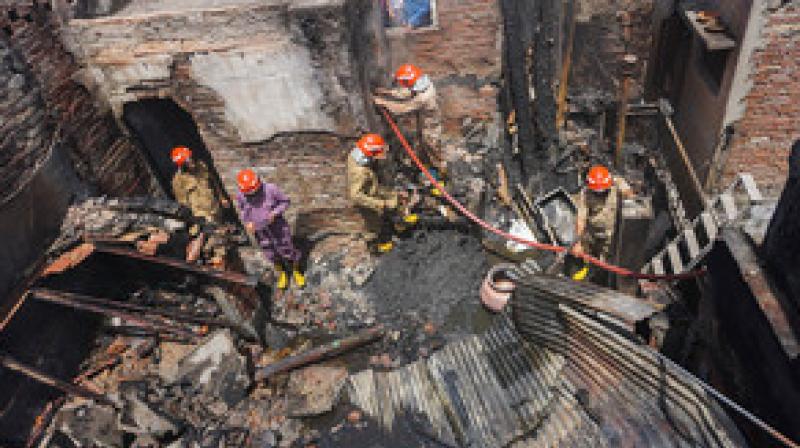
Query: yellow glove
{"points": [[412, 218], [581, 275]]}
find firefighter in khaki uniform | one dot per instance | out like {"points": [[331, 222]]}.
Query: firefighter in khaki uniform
{"points": [[195, 188], [598, 207], [373, 202], [416, 94]]}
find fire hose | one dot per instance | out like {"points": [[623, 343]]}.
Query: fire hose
{"points": [[532, 244]]}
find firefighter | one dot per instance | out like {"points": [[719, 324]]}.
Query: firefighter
{"points": [[195, 188], [375, 203], [598, 206], [262, 207], [415, 94]]}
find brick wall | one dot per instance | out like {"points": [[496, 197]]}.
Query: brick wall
{"points": [[100, 153], [771, 122], [314, 106], [462, 54]]}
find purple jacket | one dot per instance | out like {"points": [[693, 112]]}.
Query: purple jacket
{"points": [[269, 200]]}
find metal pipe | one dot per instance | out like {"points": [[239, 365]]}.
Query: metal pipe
{"points": [[317, 354], [44, 378]]}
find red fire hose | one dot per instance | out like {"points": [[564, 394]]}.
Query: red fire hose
{"points": [[533, 244]]}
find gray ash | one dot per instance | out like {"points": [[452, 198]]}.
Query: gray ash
{"points": [[427, 275]]}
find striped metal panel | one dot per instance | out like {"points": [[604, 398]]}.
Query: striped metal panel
{"points": [[561, 375]]}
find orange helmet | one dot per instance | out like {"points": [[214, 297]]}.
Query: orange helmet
{"points": [[180, 155], [407, 75], [248, 181], [599, 179], [372, 145]]}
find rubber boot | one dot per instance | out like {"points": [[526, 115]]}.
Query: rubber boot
{"points": [[299, 278], [581, 274], [385, 247], [283, 278]]}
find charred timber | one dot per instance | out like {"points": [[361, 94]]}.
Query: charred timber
{"points": [[320, 353], [44, 378], [216, 274], [74, 301]]}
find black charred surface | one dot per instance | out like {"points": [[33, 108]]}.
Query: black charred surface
{"points": [[51, 338], [750, 364], [517, 41], [160, 125], [781, 248], [432, 277], [531, 58]]}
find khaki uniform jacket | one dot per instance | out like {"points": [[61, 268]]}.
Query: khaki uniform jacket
{"points": [[601, 219], [364, 190], [430, 116], [193, 189]]}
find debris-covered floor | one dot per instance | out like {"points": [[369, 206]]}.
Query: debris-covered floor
{"points": [[176, 355]]}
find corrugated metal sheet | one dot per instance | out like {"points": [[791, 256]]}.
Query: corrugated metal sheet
{"points": [[576, 377]]}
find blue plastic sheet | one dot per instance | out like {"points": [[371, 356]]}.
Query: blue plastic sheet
{"points": [[417, 12], [413, 13]]}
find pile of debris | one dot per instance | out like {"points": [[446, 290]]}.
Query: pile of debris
{"points": [[191, 355]]}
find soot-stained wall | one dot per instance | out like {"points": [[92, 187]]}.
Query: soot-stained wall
{"points": [[272, 86], [55, 142], [282, 86]]}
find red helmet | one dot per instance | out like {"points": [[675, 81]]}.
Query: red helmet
{"points": [[407, 75], [599, 179], [372, 145], [180, 155], [248, 181]]}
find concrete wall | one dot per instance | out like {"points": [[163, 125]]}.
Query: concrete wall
{"points": [[701, 103], [757, 96]]}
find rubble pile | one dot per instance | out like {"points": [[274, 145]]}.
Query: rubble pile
{"points": [[175, 383]]}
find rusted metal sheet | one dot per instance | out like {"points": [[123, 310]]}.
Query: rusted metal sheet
{"points": [[628, 309], [575, 382]]}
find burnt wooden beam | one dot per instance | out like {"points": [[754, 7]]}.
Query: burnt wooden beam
{"points": [[317, 354], [31, 372], [213, 273]]}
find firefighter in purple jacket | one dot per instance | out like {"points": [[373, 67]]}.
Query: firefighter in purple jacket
{"points": [[262, 207]]}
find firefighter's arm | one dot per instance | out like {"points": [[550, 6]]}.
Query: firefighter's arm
{"points": [[625, 190], [179, 190], [361, 198], [400, 107]]}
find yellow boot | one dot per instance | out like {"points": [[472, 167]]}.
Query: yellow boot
{"points": [[283, 279], [299, 278], [385, 247], [435, 191], [581, 275], [411, 218]]}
